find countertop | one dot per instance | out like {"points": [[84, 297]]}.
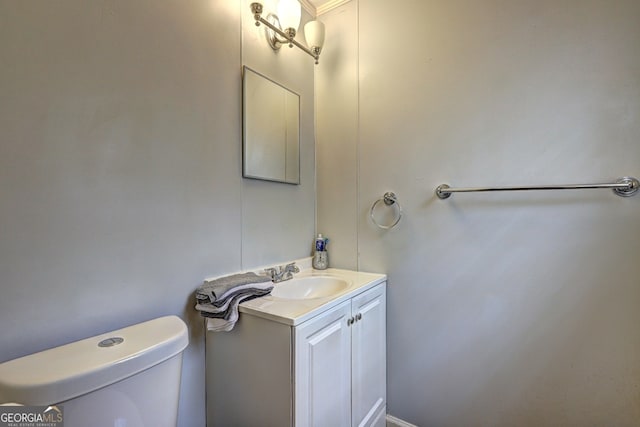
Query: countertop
{"points": [[294, 312]]}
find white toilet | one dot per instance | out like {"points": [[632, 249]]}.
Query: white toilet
{"points": [[125, 378]]}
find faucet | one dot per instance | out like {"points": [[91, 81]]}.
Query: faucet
{"points": [[282, 273]]}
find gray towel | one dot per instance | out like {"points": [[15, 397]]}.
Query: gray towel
{"points": [[218, 299], [225, 321], [232, 307], [224, 287], [223, 305]]}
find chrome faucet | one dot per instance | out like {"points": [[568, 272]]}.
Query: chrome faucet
{"points": [[282, 273]]}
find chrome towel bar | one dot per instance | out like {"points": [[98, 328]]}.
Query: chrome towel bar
{"points": [[625, 187]]}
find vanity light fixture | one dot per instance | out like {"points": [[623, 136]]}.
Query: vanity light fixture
{"points": [[288, 17]]}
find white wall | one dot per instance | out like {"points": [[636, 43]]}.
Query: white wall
{"points": [[337, 135], [503, 309], [120, 170]]}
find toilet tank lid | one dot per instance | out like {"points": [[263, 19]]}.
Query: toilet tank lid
{"points": [[71, 370]]}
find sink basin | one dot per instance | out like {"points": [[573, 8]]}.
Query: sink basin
{"points": [[309, 287]]}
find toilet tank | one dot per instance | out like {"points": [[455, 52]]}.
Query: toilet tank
{"points": [[125, 378]]}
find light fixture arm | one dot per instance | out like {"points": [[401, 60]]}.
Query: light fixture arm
{"points": [[256, 9]]}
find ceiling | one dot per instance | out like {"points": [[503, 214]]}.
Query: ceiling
{"points": [[323, 6]]}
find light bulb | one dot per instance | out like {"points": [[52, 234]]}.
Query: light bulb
{"points": [[289, 12]]}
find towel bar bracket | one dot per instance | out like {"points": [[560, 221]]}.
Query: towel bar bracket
{"points": [[441, 191], [632, 186]]}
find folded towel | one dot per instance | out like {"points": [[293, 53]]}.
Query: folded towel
{"points": [[225, 321], [218, 299], [240, 289], [208, 310], [220, 288]]}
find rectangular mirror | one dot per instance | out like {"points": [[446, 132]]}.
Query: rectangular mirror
{"points": [[271, 130]]}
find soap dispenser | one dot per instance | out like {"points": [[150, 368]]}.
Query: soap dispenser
{"points": [[320, 255]]}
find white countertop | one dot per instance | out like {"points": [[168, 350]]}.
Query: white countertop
{"points": [[293, 312]]}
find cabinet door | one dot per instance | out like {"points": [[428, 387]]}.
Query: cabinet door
{"points": [[323, 369], [369, 367]]}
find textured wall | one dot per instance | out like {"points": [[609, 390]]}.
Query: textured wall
{"points": [[513, 308], [120, 170]]}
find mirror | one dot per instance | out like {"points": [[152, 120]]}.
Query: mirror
{"points": [[271, 130]]}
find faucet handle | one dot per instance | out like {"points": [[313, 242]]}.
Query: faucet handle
{"points": [[292, 267], [272, 272]]}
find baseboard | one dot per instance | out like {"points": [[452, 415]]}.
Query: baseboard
{"points": [[397, 422]]}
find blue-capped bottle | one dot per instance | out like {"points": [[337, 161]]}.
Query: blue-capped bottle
{"points": [[320, 256]]}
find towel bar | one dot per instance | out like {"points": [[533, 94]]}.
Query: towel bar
{"points": [[624, 187]]}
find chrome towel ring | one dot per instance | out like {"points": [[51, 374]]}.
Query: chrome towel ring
{"points": [[389, 199]]}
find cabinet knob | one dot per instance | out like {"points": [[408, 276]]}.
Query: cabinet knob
{"points": [[358, 316], [350, 321]]}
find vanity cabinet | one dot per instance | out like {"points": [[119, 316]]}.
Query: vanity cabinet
{"points": [[340, 363], [329, 371]]}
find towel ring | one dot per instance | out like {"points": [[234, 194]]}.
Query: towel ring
{"points": [[389, 199]]}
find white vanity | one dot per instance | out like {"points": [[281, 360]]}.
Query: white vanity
{"points": [[311, 354]]}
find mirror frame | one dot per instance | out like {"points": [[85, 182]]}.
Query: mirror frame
{"points": [[246, 123]]}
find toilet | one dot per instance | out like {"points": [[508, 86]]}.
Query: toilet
{"points": [[125, 378]]}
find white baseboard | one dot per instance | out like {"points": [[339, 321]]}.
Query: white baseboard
{"points": [[397, 422]]}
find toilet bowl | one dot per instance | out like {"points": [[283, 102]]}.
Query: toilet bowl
{"points": [[129, 377]]}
